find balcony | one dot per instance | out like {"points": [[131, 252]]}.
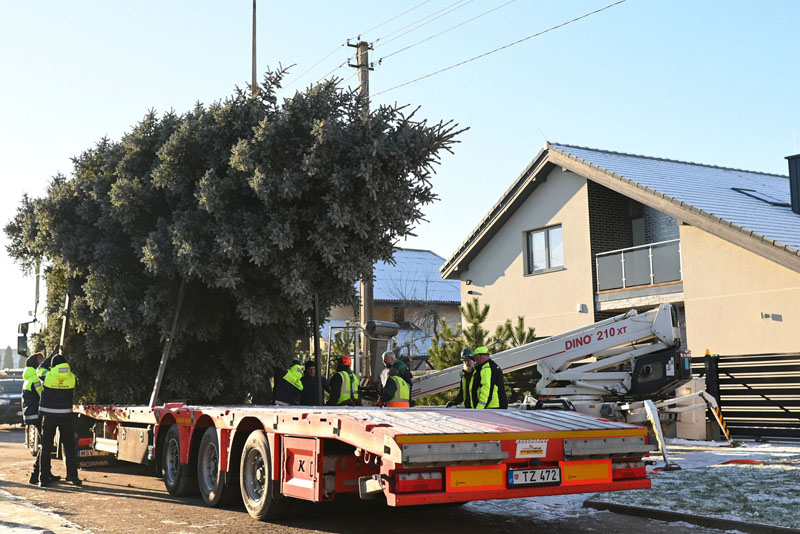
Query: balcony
{"points": [[645, 265]]}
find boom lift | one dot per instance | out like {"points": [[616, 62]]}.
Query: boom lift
{"points": [[613, 369]]}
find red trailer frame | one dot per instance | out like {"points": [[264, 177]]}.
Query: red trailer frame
{"points": [[270, 455]]}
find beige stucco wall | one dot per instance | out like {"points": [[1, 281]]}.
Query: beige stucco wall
{"points": [[548, 301], [726, 290]]}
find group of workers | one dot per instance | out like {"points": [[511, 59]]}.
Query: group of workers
{"points": [[47, 395], [482, 384], [298, 385]]}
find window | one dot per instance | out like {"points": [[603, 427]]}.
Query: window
{"points": [[545, 250]]}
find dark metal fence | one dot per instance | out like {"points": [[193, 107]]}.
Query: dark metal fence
{"points": [[759, 394]]}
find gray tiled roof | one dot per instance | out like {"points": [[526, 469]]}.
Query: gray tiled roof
{"points": [[414, 277], [707, 188]]}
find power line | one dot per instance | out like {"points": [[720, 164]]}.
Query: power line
{"points": [[342, 64], [462, 2], [309, 69], [445, 31], [329, 54], [391, 19], [501, 48]]}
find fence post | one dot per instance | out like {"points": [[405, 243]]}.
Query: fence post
{"points": [[712, 387]]}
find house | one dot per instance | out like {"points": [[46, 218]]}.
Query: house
{"points": [[411, 293], [584, 234]]}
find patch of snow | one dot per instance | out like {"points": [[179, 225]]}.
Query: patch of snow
{"points": [[767, 493], [753, 493]]}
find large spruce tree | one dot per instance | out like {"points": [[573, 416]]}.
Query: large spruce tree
{"points": [[257, 204]]}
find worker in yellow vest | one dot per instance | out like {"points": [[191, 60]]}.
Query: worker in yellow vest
{"points": [[290, 386], [55, 409], [344, 384], [31, 392], [487, 386], [396, 393]]}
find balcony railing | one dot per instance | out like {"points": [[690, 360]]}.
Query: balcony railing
{"points": [[644, 265]]}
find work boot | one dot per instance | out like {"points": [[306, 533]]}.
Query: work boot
{"points": [[34, 479], [47, 480], [75, 480]]}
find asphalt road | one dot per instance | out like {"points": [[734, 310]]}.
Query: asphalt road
{"points": [[128, 499]]}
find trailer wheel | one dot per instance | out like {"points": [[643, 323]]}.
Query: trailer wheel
{"points": [[32, 439], [261, 494], [210, 479], [178, 478]]}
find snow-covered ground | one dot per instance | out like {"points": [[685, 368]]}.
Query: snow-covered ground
{"points": [[767, 493]]}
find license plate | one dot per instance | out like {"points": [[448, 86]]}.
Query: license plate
{"points": [[534, 477], [89, 452]]}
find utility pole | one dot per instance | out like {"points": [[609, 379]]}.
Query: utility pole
{"points": [[366, 309], [254, 82]]}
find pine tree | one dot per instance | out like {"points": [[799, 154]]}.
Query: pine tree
{"points": [[474, 314]]}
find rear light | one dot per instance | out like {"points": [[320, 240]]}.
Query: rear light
{"points": [[85, 442], [418, 481], [628, 470]]}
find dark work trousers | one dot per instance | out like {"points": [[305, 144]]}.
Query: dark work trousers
{"points": [[65, 423], [38, 426]]}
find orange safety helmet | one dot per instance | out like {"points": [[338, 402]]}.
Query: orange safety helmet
{"points": [[346, 359]]}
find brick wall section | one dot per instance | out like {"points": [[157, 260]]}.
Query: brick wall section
{"points": [[659, 226], [609, 224]]}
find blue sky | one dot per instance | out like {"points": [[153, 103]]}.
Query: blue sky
{"points": [[711, 82]]}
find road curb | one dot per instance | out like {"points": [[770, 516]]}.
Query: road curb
{"points": [[703, 521]]}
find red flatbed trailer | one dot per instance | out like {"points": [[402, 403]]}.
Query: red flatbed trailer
{"points": [[270, 454]]}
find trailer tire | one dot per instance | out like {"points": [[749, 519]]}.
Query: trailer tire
{"points": [[261, 494], [178, 478], [210, 479]]}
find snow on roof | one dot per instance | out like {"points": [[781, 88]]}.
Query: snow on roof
{"points": [[711, 189], [414, 277]]}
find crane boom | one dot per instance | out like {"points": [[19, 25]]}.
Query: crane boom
{"points": [[576, 362]]}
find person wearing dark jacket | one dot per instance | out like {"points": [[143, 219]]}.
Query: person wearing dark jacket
{"points": [[31, 391], [289, 387], [487, 386], [55, 410], [344, 384], [309, 396], [466, 375]]}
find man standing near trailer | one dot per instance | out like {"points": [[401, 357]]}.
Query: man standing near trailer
{"points": [[396, 393], [464, 395], [487, 386], [391, 362], [289, 388], [55, 409], [309, 395], [31, 391], [344, 384]]}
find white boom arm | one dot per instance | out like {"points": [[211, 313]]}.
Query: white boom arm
{"points": [[610, 343]]}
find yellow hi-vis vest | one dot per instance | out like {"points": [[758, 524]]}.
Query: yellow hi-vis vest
{"points": [[60, 377], [487, 394], [294, 376], [32, 381], [59, 383], [349, 387], [402, 395]]}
